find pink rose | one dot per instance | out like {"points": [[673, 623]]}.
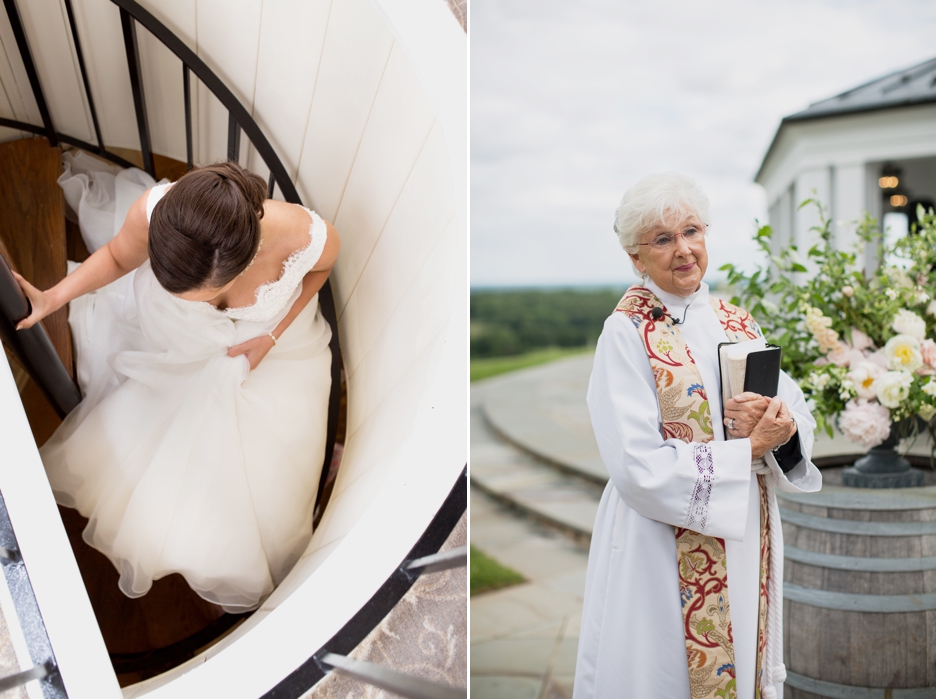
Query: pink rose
{"points": [[860, 341], [866, 423], [928, 350], [840, 355], [855, 356], [878, 358]]}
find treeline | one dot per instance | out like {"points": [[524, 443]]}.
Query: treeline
{"points": [[509, 322]]}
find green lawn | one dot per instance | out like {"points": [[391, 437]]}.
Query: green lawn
{"points": [[492, 366], [487, 574]]}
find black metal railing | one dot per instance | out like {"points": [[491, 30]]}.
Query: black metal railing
{"points": [[239, 120], [422, 558], [32, 347], [408, 686]]}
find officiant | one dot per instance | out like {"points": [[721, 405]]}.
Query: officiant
{"points": [[683, 592]]}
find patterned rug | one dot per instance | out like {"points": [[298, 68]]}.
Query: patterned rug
{"points": [[426, 634]]}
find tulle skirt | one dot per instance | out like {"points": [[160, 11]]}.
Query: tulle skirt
{"points": [[182, 459]]}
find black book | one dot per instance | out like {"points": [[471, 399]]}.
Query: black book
{"points": [[748, 366]]}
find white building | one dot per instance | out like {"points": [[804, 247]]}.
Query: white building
{"points": [[871, 148]]}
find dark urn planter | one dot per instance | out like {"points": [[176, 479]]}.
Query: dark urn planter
{"points": [[883, 467]]}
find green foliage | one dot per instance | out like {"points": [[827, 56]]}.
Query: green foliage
{"points": [[843, 297], [515, 322], [492, 366], [487, 574]]}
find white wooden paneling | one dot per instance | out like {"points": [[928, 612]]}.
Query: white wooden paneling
{"points": [[162, 77], [291, 40], [6, 111], [425, 307], [374, 450], [423, 210], [103, 48], [47, 31], [354, 57], [102, 43], [14, 78], [396, 132], [228, 41], [178, 16]]}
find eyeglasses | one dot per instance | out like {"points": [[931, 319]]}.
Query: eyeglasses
{"points": [[665, 241]]}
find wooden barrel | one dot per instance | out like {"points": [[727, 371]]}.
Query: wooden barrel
{"points": [[859, 593]]}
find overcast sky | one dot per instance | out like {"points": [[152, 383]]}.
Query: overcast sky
{"points": [[573, 101]]}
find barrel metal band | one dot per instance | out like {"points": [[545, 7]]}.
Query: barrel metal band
{"points": [[860, 563], [923, 498], [851, 526], [833, 690], [851, 602]]}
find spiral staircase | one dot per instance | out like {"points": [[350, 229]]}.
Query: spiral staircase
{"points": [[356, 108]]}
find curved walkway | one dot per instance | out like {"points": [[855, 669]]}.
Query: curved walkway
{"points": [[533, 453]]}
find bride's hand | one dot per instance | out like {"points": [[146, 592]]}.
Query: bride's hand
{"points": [[255, 349], [40, 301]]}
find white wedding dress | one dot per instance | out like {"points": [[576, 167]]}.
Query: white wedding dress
{"points": [[182, 459]]}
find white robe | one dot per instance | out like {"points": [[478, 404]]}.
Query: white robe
{"points": [[632, 642]]}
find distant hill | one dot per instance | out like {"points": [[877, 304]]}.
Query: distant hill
{"points": [[514, 321]]}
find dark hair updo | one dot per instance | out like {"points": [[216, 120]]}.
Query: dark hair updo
{"points": [[206, 229]]}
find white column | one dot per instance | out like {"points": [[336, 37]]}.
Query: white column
{"points": [[849, 205], [811, 184]]}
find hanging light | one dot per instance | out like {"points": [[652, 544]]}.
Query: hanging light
{"points": [[890, 177], [898, 200]]}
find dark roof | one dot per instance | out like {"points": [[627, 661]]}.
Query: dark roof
{"points": [[914, 85], [910, 86]]}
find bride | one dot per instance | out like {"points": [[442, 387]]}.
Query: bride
{"points": [[205, 369]]}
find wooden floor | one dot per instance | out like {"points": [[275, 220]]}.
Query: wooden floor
{"points": [[32, 224]]}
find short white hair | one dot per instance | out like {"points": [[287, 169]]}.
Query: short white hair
{"points": [[655, 200]]}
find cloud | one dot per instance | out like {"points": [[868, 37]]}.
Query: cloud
{"points": [[571, 103]]}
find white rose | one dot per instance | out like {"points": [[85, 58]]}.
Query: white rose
{"points": [[929, 388], [926, 412], [909, 323], [903, 353], [893, 388], [862, 376], [848, 291]]}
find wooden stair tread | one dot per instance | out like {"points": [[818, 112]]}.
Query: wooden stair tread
{"points": [[168, 614], [32, 224]]}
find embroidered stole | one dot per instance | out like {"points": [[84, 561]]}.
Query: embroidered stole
{"points": [[703, 571]]}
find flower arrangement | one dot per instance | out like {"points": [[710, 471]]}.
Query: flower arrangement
{"points": [[859, 342]]}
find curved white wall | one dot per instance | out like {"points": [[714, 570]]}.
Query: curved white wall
{"points": [[365, 101]]}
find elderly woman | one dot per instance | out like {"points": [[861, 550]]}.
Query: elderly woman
{"points": [[683, 597]]}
